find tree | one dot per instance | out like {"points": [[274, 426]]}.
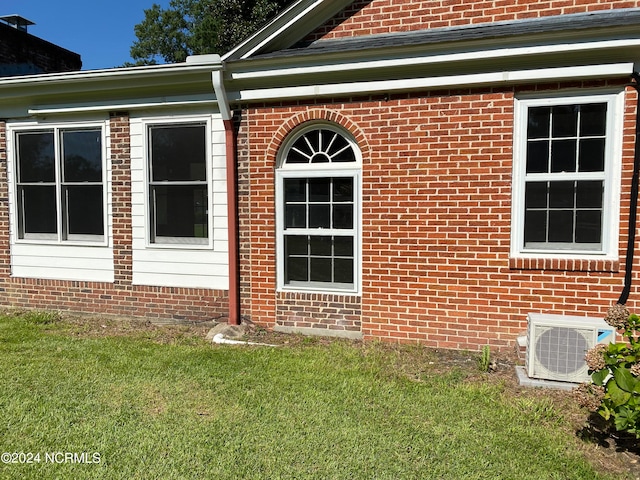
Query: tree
{"points": [[196, 27]]}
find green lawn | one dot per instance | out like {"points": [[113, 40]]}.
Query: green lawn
{"points": [[188, 409]]}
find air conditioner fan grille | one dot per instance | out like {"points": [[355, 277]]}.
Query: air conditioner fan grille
{"points": [[561, 350]]}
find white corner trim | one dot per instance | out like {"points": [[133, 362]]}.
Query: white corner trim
{"points": [[494, 78]]}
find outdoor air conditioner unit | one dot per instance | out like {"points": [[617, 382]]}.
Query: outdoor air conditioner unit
{"points": [[557, 344]]}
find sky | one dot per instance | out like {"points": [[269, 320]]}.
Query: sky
{"points": [[100, 31]]}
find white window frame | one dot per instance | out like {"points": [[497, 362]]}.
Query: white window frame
{"points": [[177, 242], [60, 237], [319, 170], [610, 175]]}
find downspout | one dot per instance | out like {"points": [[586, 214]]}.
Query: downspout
{"points": [[232, 197], [633, 208]]}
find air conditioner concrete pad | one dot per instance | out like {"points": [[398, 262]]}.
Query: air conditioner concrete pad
{"points": [[525, 381]]}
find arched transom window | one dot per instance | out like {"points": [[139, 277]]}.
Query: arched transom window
{"points": [[318, 202]]}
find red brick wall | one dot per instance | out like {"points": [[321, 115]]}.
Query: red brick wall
{"points": [[120, 297], [365, 17], [436, 222]]}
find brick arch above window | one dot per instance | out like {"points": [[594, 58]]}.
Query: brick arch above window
{"points": [[316, 115]]}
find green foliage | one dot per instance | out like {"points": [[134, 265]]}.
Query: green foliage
{"points": [[196, 27], [41, 317], [484, 362], [615, 368]]}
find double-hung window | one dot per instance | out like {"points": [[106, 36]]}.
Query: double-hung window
{"points": [[178, 183], [318, 210], [566, 176], [60, 184]]}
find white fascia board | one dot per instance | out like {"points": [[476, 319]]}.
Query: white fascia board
{"points": [[292, 24], [383, 86], [501, 53], [279, 24]]}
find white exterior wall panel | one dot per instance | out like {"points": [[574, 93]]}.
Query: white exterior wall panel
{"points": [[188, 266]]}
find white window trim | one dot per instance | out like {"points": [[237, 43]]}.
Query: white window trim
{"points": [[57, 239], [338, 169], [612, 175], [171, 242]]}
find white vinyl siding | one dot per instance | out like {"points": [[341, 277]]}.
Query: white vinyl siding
{"points": [[566, 176], [180, 265], [62, 262], [73, 259]]}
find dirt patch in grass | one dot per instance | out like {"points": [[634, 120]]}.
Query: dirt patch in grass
{"points": [[619, 457]]}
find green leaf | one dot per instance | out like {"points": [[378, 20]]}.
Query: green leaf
{"points": [[599, 376], [625, 380], [618, 396]]}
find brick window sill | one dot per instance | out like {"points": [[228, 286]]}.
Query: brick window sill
{"points": [[565, 264]]}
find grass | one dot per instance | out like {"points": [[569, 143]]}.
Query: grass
{"points": [[182, 409]]}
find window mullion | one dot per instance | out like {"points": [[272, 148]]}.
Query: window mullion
{"points": [[60, 213]]}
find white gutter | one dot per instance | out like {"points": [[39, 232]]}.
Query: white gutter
{"points": [[518, 52], [495, 78], [144, 72]]}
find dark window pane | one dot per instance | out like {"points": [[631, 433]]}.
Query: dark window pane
{"points": [[563, 156], [538, 157], [319, 216], [313, 140], [343, 216], [535, 226], [588, 226], [561, 195], [295, 189], [320, 246], [343, 246], [343, 190], [295, 216], [341, 150], [564, 121], [589, 194], [320, 157], [84, 210], [35, 157], [561, 226], [535, 195], [319, 189], [178, 153], [294, 156], [39, 209], [296, 245], [343, 270], [593, 119], [82, 155], [538, 124], [181, 211], [320, 270], [591, 158], [296, 269]]}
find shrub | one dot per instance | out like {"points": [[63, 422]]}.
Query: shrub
{"points": [[615, 371]]}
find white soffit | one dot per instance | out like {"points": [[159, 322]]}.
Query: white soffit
{"points": [[494, 78]]}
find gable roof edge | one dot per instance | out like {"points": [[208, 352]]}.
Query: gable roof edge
{"points": [[287, 28]]}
